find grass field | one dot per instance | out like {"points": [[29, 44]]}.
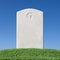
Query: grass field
{"points": [[29, 54]]}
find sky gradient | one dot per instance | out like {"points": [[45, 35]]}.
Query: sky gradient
{"points": [[51, 10]]}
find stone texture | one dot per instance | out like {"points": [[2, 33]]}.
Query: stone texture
{"points": [[29, 28]]}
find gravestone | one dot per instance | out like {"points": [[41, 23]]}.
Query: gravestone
{"points": [[29, 28]]}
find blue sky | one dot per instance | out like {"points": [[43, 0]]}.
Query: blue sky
{"points": [[51, 9]]}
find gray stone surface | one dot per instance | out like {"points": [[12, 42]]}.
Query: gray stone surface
{"points": [[29, 28]]}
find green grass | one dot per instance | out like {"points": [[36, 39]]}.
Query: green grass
{"points": [[29, 54]]}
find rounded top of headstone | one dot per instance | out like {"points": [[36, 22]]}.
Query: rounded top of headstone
{"points": [[30, 10]]}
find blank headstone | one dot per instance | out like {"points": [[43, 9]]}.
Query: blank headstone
{"points": [[29, 28]]}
